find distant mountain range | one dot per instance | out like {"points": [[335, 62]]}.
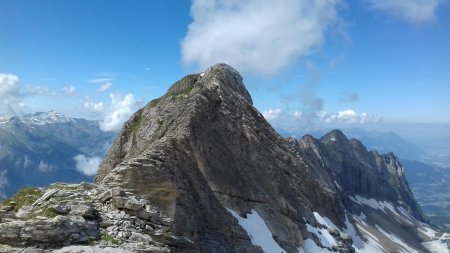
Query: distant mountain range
{"points": [[40, 148]]}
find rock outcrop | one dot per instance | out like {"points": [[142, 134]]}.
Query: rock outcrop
{"points": [[201, 170]]}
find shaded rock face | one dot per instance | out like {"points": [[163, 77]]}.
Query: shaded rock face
{"points": [[197, 169], [357, 171]]}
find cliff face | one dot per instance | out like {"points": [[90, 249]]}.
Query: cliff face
{"points": [[202, 148], [357, 171], [208, 162]]}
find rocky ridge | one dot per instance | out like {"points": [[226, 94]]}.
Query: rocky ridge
{"points": [[85, 214], [206, 168]]}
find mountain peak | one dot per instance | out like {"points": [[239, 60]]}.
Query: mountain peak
{"points": [[42, 118], [335, 136], [206, 158], [227, 77]]}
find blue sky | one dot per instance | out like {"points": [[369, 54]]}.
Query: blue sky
{"points": [[307, 64]]}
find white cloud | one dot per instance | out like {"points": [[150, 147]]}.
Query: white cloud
{"points": [[87, 165], [101, 80], [45, 167], [272, 114], [351, 117], [69, 90], [413, 11], [294, 122], [10, 98], [297, 115], [259, 36], [9, 85], [104, 87], [120, 109], [92, 106]]}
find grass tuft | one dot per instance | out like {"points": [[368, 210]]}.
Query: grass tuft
{"points": [[25, 197], [109, 238], [49, 212]]}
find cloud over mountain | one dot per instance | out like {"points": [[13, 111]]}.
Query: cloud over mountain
{"points": [[258, 36], [87, 165], [120, 109], [9, 94]]}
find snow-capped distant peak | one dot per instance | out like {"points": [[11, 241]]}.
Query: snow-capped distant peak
{"points": [[42, 118]]}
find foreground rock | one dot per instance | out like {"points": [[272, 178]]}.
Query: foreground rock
{"points": [[86, 214]]}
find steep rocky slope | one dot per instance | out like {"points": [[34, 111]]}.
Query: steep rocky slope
{"points": [[218, 178]]}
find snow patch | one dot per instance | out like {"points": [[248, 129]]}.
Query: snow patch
{"points": [[258, 231], [373, 203], [372, 245], [202, 74], [351, 231], [360, 218], [324, 236], [337, 185], [396, 239], [320, 219], [427, 231], [311, 247], [438, 246]]}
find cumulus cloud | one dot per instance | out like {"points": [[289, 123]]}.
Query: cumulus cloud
{"points": [[104, 87], [120, 109], [69, 90], [92, 106], [413, 11], [272, 114], [290, 121], [351, 117], [295, 122], [87, 165], [9, 85], [10, 98], [258, 36]]}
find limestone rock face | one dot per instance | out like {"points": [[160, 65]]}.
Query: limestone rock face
{"points": [[79, 214], [202, 148]]}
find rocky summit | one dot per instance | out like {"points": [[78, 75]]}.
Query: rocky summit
{"points": [[201, 170]]}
